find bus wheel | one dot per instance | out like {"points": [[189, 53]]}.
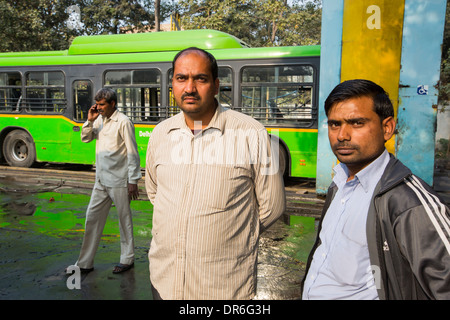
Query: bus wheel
{"points": [[283, 161], [19, 149]]}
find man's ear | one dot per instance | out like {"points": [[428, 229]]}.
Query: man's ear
{"points": [[216, 84], [388, 127]]}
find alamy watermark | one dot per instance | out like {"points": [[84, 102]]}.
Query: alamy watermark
{"points": [[374, 277], [234, 147], [74, 20], [73, 281]]}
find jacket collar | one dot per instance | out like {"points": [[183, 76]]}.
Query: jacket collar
{"points": [[394, 174], [368, 177]]}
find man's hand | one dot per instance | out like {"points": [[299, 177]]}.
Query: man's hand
{"points": [[93, 113], [133, 191]]}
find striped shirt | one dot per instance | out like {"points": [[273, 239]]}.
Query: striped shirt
{"points": [[212, 193]]}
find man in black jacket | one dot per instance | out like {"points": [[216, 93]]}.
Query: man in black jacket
{"points": [[384, 233]]}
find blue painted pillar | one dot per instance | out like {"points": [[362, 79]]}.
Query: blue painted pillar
{"points": [[330, 76], [423, 29], [421, 34]]}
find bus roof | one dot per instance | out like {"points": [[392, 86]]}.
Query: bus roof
{"points": [[154, 41], [150, 47]]}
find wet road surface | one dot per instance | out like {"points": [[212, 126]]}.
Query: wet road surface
{"points": [[42, 226]]}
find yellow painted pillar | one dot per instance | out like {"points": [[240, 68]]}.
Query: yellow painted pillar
{"points": [[372, 45]]}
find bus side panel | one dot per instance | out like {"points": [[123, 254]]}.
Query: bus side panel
{"points": [[82, 152], [303, 151], [51, 135], [142, 135]]}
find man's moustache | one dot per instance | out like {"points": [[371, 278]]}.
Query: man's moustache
{"points": [[191, 95]]}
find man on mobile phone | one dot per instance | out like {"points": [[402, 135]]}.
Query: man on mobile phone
{"points": [[117, 175]]}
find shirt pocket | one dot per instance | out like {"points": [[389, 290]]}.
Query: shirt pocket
{"points": [[354, 229], [350, 256], [223, 186]]}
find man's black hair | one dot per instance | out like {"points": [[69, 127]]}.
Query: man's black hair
{"points": [[107, 94], [361, 88], [212, 60]]}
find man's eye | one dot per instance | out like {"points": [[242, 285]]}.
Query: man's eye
{"points": [[333, 124]]}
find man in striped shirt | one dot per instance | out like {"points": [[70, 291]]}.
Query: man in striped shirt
{"points": [[384, 234], [212, 176]]}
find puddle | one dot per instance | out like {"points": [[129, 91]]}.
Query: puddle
{"points": [[41, 233]]}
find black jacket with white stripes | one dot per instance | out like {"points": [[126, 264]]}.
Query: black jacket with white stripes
{"points": [[408, 235]]}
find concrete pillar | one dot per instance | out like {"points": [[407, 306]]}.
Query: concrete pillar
{"points": [[397, 44]]}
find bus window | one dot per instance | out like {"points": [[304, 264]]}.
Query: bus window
{"points": [[44, 92], [225, 95], [10, 91], [278, 94], [82, 99], [138, 93]]}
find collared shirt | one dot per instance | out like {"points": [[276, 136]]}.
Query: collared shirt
{"points": [[212, 192], [341, 268], [116, 157]]}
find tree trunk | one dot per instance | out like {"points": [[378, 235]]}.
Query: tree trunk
{"points": [[157, 15]]}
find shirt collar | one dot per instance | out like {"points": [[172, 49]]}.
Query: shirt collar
{"points": [[367, 177], [114, 116], [217, 121]]}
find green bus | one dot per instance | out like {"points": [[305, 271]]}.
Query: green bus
{"points": [[45, 96]]}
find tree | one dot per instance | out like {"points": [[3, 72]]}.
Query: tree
{"points": [[303, 25], [29, 25], [231, 16], [116, 16], [157, 15], [41, 25], [444, 83], [257, 22]]}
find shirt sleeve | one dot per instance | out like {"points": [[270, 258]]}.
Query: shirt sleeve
{"points": [[134, 168], [269, 185], [150, 172], [88, 131], [423, 234]]}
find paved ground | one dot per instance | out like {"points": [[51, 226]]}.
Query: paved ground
{"points": [[41, 235]]}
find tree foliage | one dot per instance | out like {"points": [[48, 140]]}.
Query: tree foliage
{"points": [[257, 22], [38, 25], [33, 25], [444, 83], [116, 16]]}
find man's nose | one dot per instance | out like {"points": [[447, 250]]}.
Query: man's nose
{"points": [[190, 86], [343, 133]]}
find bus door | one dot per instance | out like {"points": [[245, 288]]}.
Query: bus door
{"points": [[82, 100]]}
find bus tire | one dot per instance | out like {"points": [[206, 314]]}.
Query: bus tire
{"points": [[283, 162], [19, 149]]}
